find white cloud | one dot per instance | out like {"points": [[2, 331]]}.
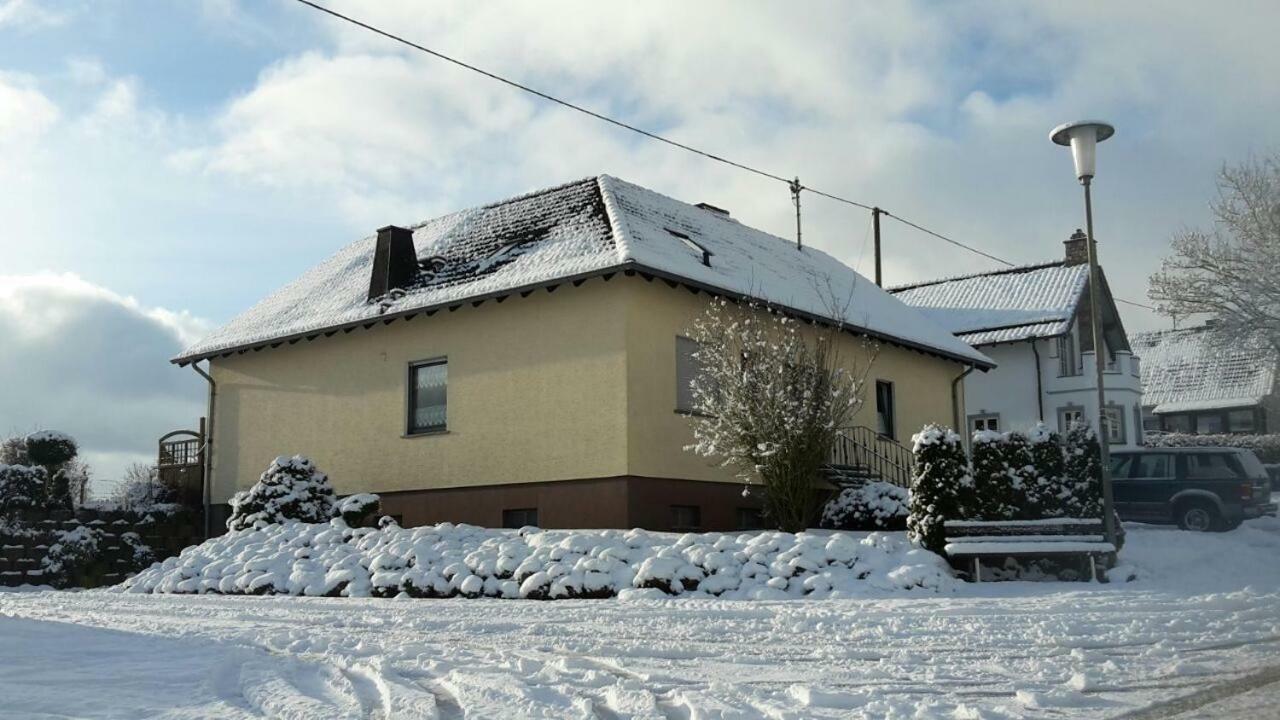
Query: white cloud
{"points": [[29, 14], [25, 112], [80, 358], [938, 113]]}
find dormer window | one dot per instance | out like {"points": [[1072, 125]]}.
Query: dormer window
{"points": [[693, 245]]}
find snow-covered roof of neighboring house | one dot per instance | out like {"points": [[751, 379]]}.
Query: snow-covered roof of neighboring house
{"points": [[1003, 306], [573, 231], [1199, 369]]}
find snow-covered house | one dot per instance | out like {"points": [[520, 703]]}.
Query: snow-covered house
{"points": [[1034, 322], [1195, 380], [524, 362]]}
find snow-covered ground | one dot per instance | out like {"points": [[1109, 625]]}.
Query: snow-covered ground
{"points": [[1198, 632]]}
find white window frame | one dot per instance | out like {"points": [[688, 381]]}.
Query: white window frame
{"points": [[986, 419], [1064, 424]]}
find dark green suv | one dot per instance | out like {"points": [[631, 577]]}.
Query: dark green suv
{"points": [[1201, 488]]}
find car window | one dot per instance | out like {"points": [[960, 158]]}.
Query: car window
{"points": [[1253, 467], [1121, 466], [1153, 465], [1208, 466]]}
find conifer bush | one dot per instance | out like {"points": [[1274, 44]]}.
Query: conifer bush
{"points": [[994, 496], [939, 477], [1083, 473], [356, 509], [21, 488], [292, 488], [1046, 456], [51, 449], [1024, 479], [58, 492]]}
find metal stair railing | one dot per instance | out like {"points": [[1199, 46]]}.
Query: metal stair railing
{"points": [[871, 454]]}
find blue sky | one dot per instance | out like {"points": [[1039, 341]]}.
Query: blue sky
{"points": [[173, 162]]}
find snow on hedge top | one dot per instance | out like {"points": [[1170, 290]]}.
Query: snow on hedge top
{"points": [[461, 560], [1002, 306], [582, 228], [1197, 369]]}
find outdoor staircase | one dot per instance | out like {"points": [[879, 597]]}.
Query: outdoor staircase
{"points": [[862, 455]]}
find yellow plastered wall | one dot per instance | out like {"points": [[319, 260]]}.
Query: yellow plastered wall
{"points": [[536, 392], [658, 313], [579, 383]]}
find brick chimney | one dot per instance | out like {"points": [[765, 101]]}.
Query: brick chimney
{"points": [[1077, 252], [395, 262]]}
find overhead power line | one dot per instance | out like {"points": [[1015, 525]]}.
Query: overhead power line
{"points": [[793, 185]]}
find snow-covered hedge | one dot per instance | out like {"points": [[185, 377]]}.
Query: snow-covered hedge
{"points": [[1267, 447], [872, 506], [333, 559], [70, 554]]}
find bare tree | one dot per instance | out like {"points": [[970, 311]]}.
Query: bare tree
{"points": [[1229, 272], [13, 451], [141, 488], [772, 393]]}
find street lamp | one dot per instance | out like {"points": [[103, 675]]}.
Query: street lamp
{"points": [[1083, 138]]}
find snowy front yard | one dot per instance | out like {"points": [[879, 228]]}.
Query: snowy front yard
{"points": [[1202, 619]]}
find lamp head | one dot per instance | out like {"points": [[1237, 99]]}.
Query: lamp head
{"points": [[1083, 138]]}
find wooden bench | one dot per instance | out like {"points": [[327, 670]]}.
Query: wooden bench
{"points": [[972, 541]]}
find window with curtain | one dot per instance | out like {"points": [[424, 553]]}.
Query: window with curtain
{"points": [[1067, 362], [884, 409], [428, 396], [1113, 417], [1240, 421], [687, 368]]}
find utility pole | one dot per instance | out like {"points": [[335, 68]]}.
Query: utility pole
{"points": [[875, 222], [796, 187]]}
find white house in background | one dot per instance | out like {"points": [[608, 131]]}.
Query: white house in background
{"points": [[1197, 381], [1034, 323]]}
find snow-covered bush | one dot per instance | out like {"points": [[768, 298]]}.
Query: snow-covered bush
{"points": [[1049, 490], [1024, 480], [58, 492], [141, 554], [333, 559], [1083, 471], [21, 488], [872, 506], [772, 394], [356, 509], [1266, 447], [50, 448], [939, 478], [73, 551], [291, 488], [995, 493]]}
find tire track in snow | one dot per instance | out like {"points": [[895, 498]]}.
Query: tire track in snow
{"points": [[1207, 696]]}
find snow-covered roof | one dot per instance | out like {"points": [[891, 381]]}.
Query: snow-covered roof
{"points": [[577, 230], [1002, 306], [1199, 369]]}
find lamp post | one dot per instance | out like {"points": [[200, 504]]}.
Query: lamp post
{"points": [[1083, 138]]}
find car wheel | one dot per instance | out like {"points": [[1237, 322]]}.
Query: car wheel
{"points": [[1198, 517]]}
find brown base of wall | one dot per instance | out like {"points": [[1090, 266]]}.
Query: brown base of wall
{"points": [[617, 502]]}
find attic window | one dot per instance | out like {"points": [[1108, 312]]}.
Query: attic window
{"points": [[693, 245]]}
